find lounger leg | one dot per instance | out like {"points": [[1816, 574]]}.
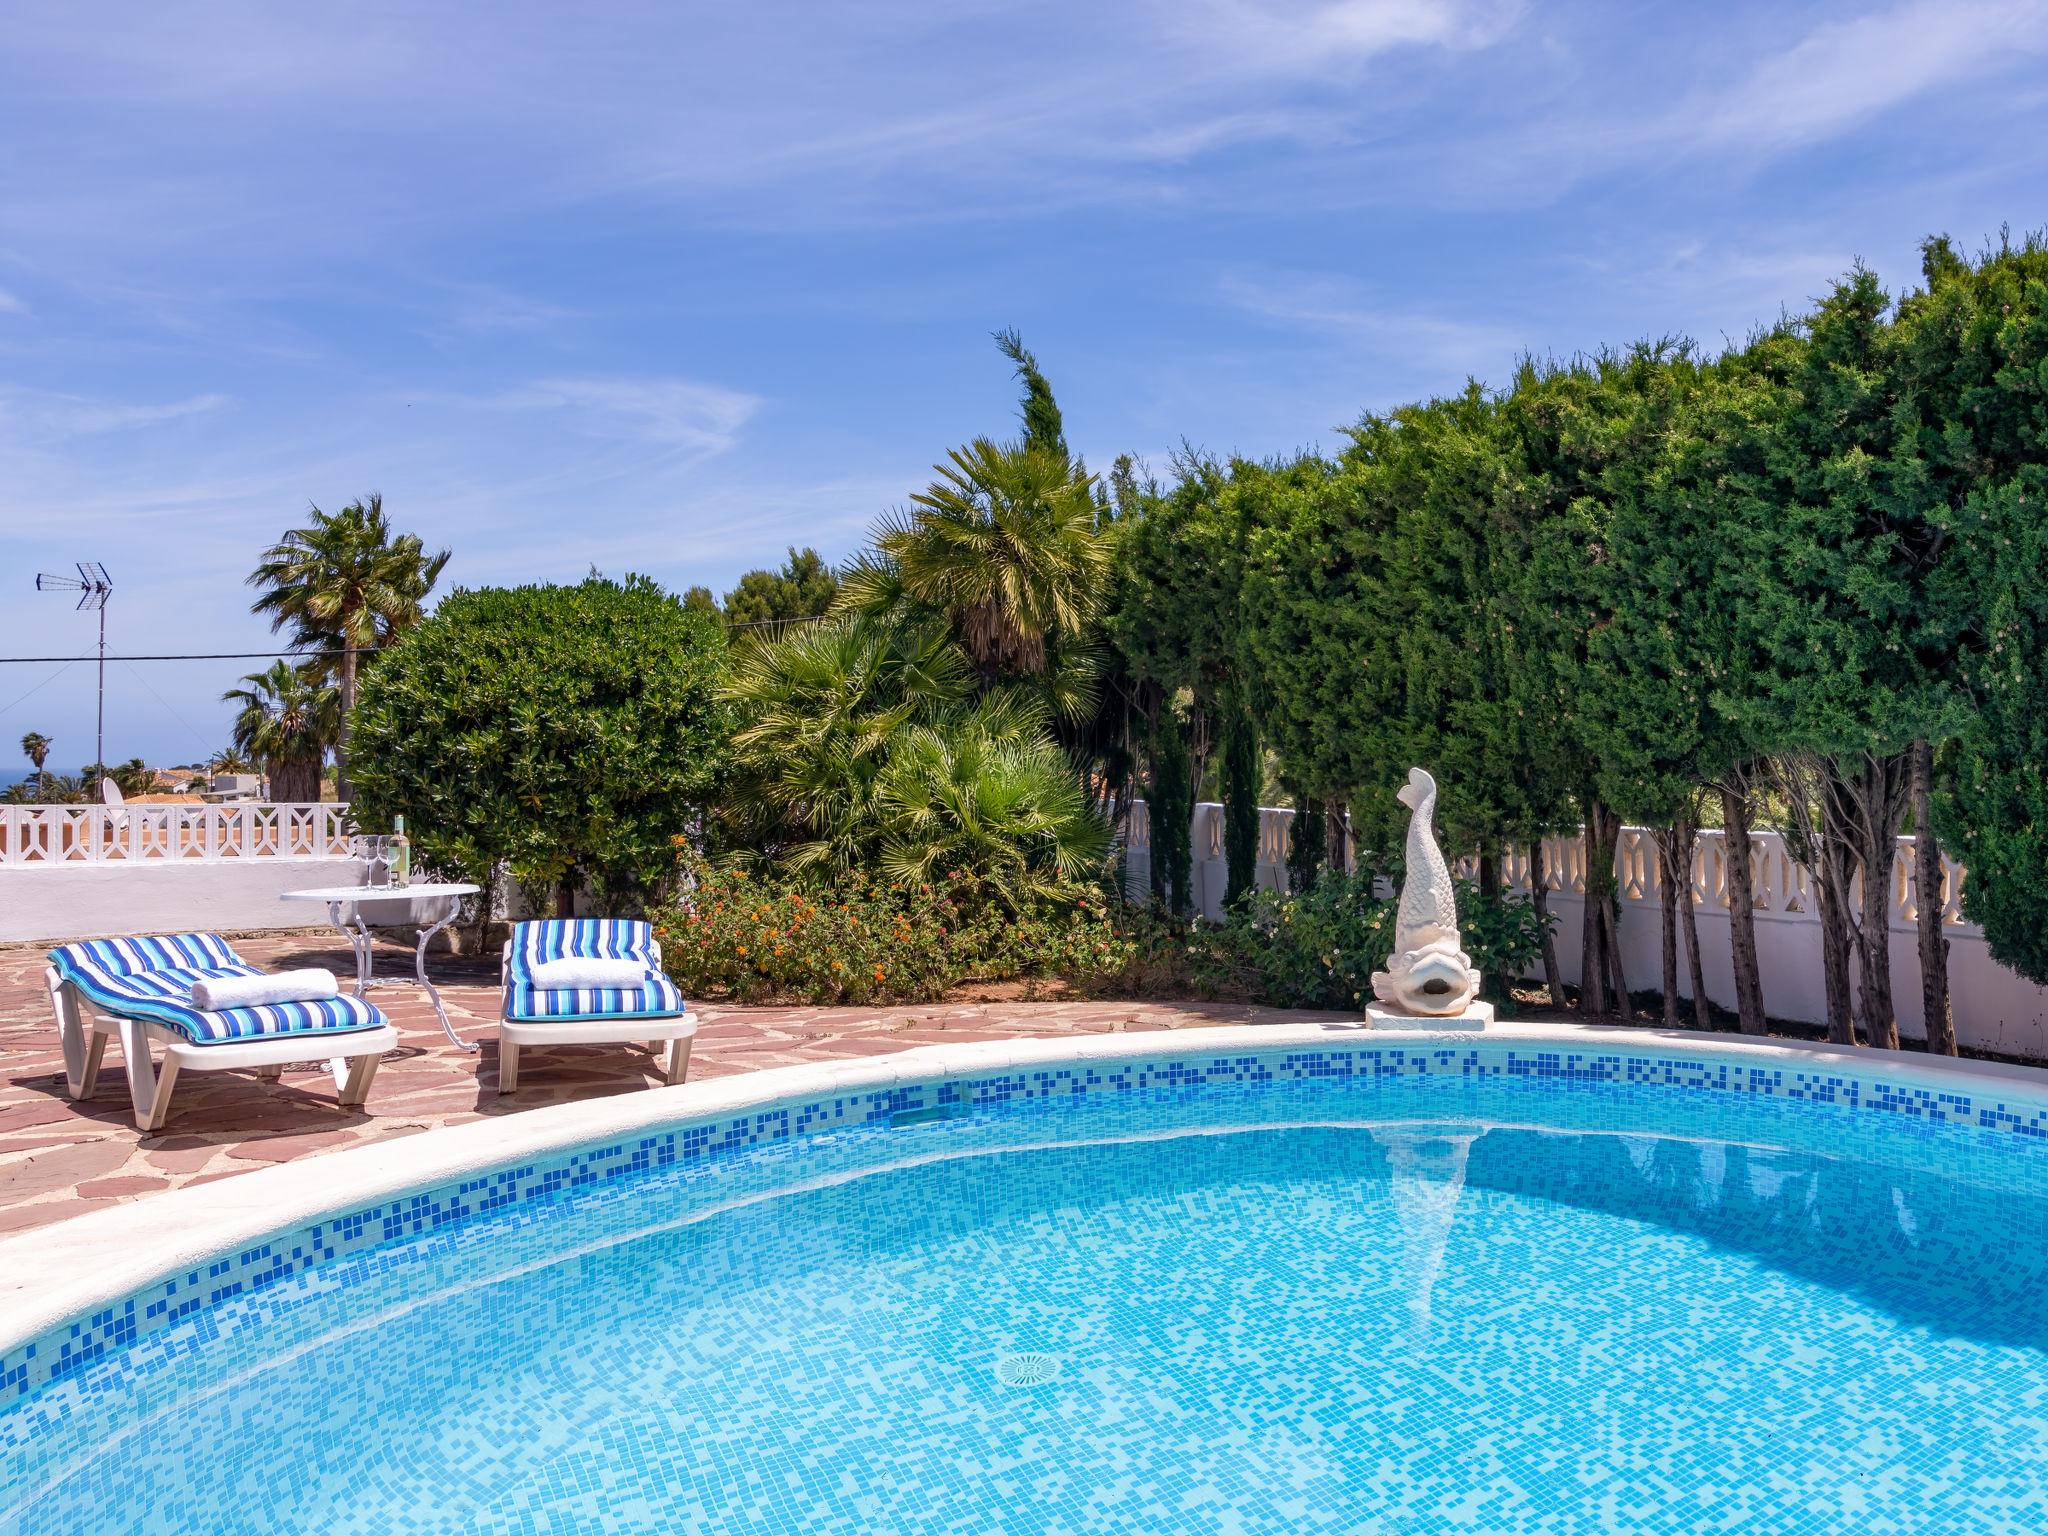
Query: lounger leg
{"points": [[271, 1073], [508, 1065], [148, 1088], [678, 1059], [95, 1052], [362, 1072], [82, 1043]]}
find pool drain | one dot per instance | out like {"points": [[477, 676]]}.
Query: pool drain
{"points": [[1030, 1369]]}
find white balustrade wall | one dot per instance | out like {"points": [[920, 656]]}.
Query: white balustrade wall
{"points": [[103, 834], [1994, 1009], [80, 871]]}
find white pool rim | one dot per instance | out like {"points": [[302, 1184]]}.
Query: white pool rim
{"points": [[50, 1275]]}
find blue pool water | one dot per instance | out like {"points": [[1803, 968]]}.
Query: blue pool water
{"points": [[1404, 1306]]}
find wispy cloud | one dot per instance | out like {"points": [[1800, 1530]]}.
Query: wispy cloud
{"points": [[10, 305], [1290, 37], [44, 414], [670, 413], [1333, 307], [1845, 73]]}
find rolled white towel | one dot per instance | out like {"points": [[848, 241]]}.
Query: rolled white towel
{"points": [[210, 994], [586, 973]]}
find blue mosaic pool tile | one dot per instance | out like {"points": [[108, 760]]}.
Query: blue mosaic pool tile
{"points": [[84, 1341]]}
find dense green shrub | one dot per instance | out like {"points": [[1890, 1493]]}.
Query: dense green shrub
{"points": [[569, 733], [854, 939]]}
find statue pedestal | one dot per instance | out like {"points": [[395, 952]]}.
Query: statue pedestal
{"points": [[1476, 1017]]}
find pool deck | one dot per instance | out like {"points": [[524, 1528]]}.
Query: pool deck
{"points": [[59, 1159]]}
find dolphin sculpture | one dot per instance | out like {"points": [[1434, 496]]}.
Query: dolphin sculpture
{"points": [[1429, 974]]}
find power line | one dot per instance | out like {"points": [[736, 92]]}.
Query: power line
{"points": [[367, 650], [206, 656]]}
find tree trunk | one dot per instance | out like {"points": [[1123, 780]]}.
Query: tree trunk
{"points": [[1876, 799], [1831, 888], [1749, 987], [348, 703], [293, 780], [1833, 871], [1539, 895], [1600, 947], [565, 899], [1610, 915], [1667, 904], [1592, 973], [1334, 823], [1929, 900], [1702, 1009]]}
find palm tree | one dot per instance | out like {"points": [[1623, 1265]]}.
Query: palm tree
{"points": [[991, 793], [1007, 545], [37, 748], [230, 760], [287, 722], [819, 707], [347, 585]]}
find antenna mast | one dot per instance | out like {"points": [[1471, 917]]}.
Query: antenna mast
{"points": [[94, 587]]}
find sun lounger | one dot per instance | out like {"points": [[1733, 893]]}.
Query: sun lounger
{"points": [[644, 1005], [142, 988]]}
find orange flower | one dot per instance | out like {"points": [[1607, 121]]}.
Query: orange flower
{"points": [[878, 973], [742, 948]]}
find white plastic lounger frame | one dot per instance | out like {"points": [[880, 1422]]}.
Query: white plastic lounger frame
{"points": [[677, 1031], [354, 1054]]}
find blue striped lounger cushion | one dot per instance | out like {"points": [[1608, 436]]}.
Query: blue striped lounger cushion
{"points": [[590, 938], [152, 979]]}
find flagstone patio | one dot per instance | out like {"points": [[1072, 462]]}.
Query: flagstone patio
{"points": [[58, 1159]]}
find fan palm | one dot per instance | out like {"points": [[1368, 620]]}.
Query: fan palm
{"points": [[991, 793], [287, 722], [346, 584], [36, 747], [1005, 545], [820, 707]]}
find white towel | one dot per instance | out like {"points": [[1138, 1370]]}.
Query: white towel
{"points": [[210, 994], [583, 973]]}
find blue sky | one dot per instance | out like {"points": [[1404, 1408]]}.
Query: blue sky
{"points": [[668, 287]]}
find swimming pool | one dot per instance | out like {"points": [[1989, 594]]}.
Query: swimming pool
{"points": [[1359, 1285]]}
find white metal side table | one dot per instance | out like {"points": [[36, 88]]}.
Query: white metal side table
{"points": [[357, 909]]}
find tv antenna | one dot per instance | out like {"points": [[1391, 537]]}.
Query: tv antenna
{"points": [[93, 586]]}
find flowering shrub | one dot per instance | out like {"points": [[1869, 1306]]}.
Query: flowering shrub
{"points": [[858, 939]]}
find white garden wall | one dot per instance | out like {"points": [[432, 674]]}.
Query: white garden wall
{"points": [[87, 871], [1994, 1009]]}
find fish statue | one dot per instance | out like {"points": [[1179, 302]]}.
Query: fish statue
{"points": [[1429, 974]]}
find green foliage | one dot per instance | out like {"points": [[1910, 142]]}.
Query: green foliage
{"points": [[573, 733], [1170, 807], [1043, 429], [1243, 773], [803, 589], [1977, 354], [854, 939], [862, 745], [1318, 948]]}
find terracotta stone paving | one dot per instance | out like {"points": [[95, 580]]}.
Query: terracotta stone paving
{"points": [[58, 1159]]}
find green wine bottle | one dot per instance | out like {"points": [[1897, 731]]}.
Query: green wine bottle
{"points": [[400, 859]]}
